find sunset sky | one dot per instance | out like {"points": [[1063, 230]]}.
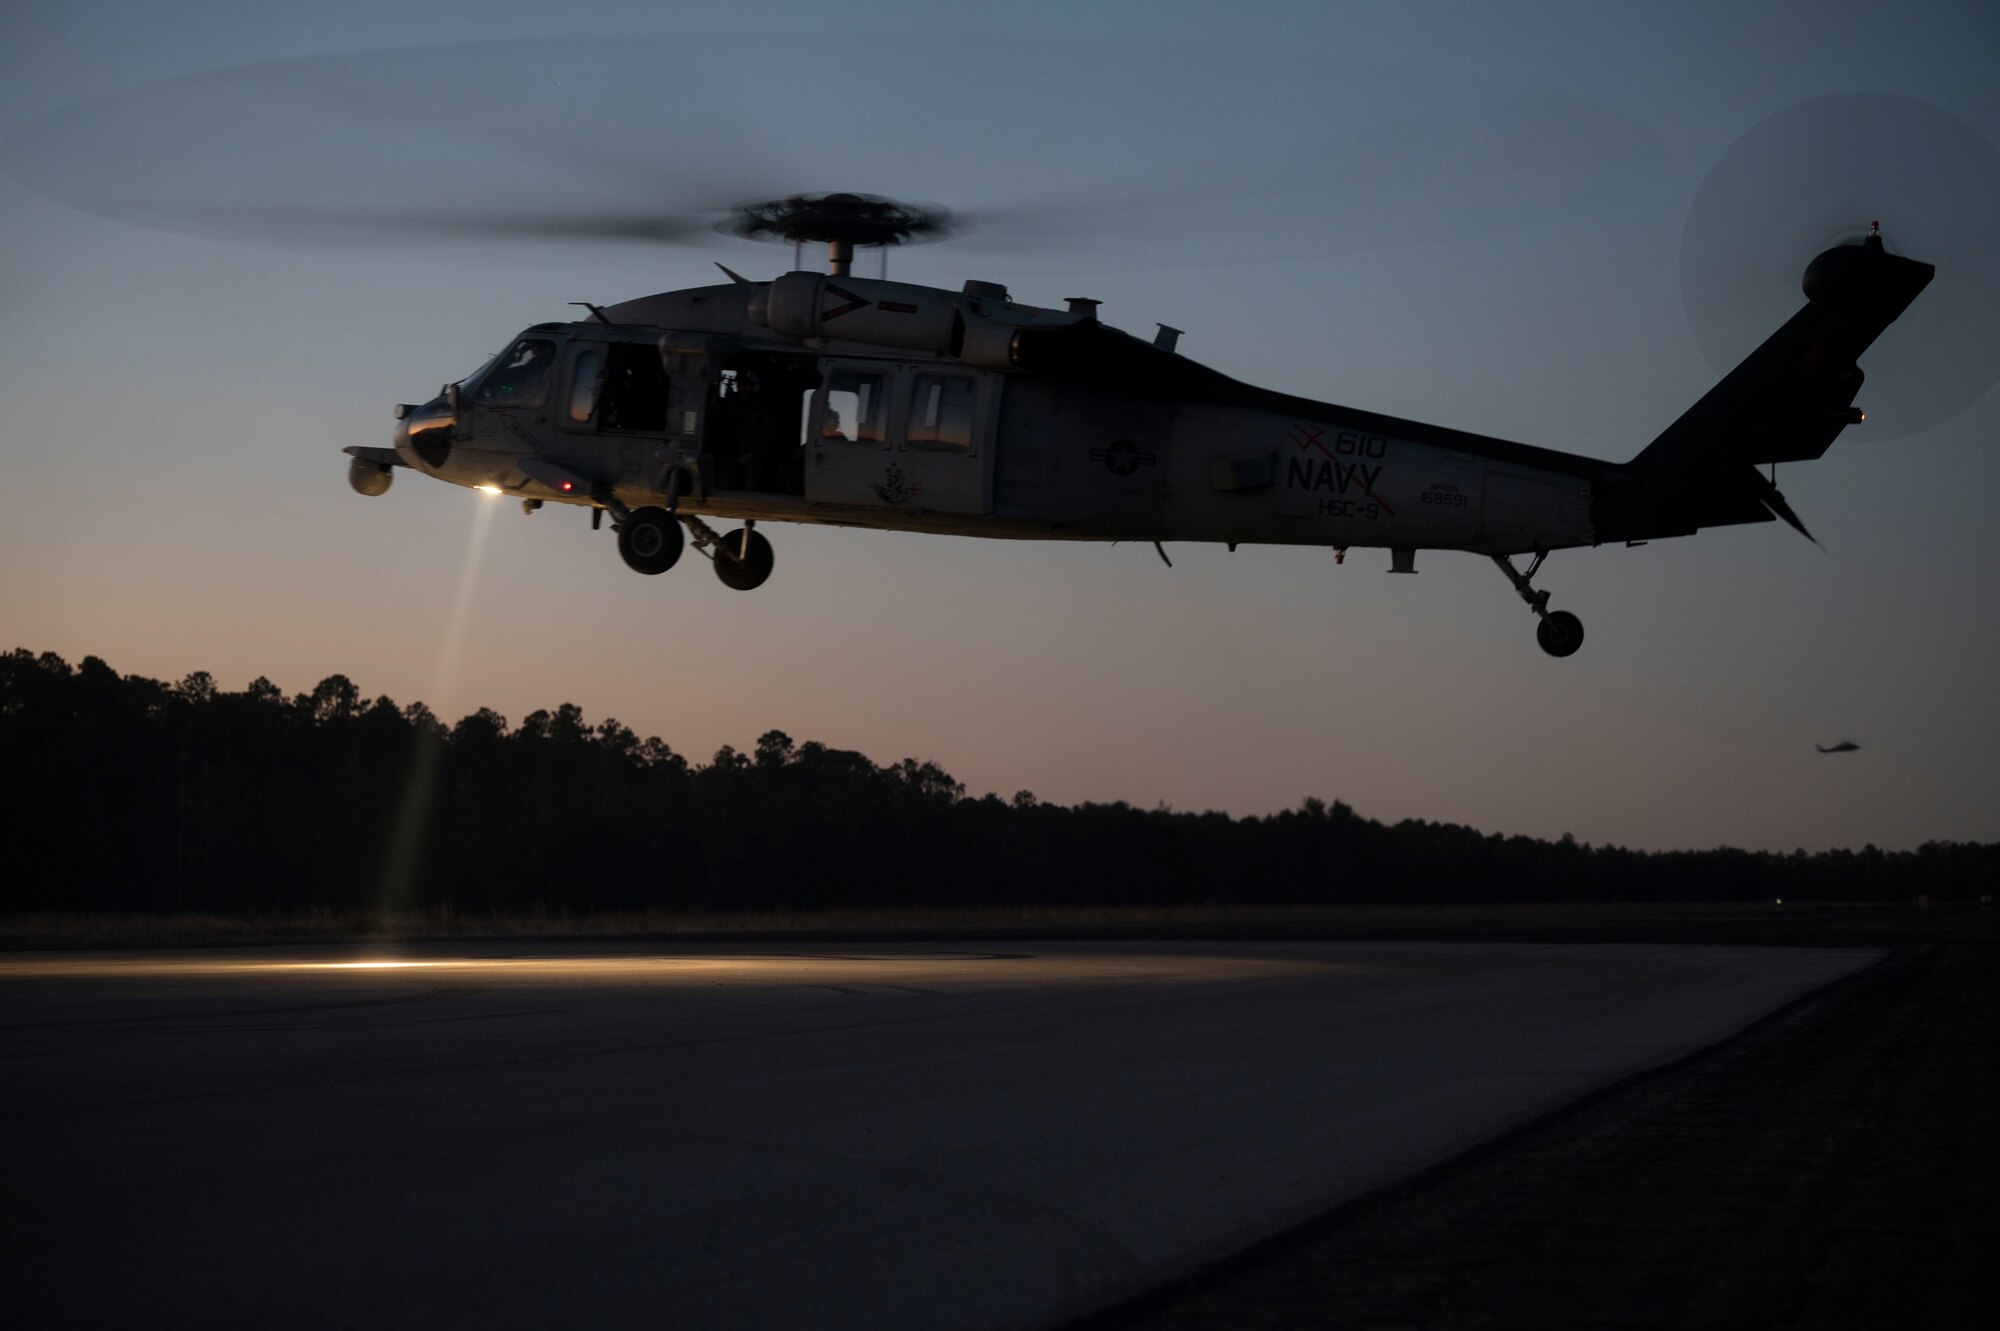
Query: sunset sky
{"points": [[1468, 215]]}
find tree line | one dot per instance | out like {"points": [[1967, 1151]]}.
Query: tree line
{"points": [[122, 793]]}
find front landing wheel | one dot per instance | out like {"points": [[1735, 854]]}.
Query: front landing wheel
{"points": [[738, 569], [1560, 633], [650, 540]]}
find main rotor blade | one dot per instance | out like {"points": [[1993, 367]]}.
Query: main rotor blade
{"points": [[359, 226], [1149, 148]]}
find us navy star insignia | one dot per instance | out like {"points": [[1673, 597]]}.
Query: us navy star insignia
{"points": [[1124, 457]]}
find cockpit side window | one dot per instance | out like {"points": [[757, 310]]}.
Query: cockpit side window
{"points": [[521, 378], [586, 377]]}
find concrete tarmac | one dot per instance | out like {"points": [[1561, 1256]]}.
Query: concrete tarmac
{"points": [[783, 1136]]}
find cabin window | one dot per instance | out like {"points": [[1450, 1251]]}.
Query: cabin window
{"points": [[522, 377], [857, 407], [941, 411], [583, 384]]}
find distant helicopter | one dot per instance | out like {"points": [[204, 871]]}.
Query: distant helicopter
{"points": [[836, 399]]}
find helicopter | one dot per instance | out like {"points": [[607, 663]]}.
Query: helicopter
{"points": [[830, 398]]}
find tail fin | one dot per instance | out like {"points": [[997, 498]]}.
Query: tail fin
{"points": [[1787, 402]]}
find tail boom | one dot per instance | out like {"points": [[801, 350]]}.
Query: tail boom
{"points": [[1787, 402]]}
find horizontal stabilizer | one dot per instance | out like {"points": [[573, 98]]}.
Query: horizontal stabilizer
{"points": [[1768, 494]]}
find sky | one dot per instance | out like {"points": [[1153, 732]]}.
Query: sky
{"points": [[1482, 217]]}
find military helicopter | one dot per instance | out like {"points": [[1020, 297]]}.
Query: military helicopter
{"points": [[825, 397]]}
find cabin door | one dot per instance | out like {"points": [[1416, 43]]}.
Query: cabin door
{"points": [[912, 437]]}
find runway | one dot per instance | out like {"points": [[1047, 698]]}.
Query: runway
{"points": [[888, 1136]]}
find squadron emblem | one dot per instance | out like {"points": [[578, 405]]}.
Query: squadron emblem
{"points": [[896, 487]]}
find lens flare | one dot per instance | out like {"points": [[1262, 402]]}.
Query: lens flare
{"points": [[375, 965], [407, 837]]}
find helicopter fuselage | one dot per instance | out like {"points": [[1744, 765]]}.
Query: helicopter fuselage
{"points": [[949, 431], [832, 399]]}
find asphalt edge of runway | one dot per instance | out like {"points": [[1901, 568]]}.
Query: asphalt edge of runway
{"points": [[1132, 1312]]}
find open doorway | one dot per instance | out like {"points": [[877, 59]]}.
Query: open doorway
{"points": [[756, 422]]}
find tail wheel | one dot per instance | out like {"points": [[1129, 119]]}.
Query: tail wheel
{"points": [[650, 540], [739, 569], [1560, 633]]}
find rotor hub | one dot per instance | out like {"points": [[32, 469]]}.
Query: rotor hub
{"points": [[839, 219]]}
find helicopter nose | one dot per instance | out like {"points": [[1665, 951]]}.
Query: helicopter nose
{"points": [[424, 434]]}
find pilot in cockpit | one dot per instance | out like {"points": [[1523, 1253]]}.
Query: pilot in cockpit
{"points": [[521, 379]]}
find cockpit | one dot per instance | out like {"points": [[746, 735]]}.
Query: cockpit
{"points": [[520, 376]]}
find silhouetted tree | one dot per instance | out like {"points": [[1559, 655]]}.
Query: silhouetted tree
{"points": [[129, 794]]}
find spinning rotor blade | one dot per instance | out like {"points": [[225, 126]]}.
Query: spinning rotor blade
{"points": [[1816, 175], [1177, 153], [353, 226]]}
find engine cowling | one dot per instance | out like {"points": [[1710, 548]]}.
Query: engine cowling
{"points": [[859, 309], [979, 326]]}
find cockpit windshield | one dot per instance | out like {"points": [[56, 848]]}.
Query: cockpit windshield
{"points": [[521, 376], [479, 373]]}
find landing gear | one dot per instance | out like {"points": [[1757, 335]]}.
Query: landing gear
{"points": [[743, 559], [649, 540], [1560, 633]]}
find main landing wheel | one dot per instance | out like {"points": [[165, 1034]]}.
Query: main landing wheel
{"points": [[1560, 633], [650, 540], [739, 570]]}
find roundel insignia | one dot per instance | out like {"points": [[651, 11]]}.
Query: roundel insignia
{"points": [[1123, 458]]}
